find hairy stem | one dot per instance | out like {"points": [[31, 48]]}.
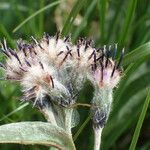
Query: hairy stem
{"points": [[103, 102], [68, 119], [49, 115], [97, 138]]}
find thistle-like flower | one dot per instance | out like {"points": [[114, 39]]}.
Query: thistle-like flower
{"points": [[52, 71], [105, 76]]}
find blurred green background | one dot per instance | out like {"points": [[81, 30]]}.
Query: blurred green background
{"points": [[126, 22]]}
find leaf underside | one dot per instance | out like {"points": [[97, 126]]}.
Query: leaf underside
{"points": [[41, 133]]}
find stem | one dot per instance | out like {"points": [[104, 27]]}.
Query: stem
{"points": [[80, 105], [49, 115], [97, 138], [103, 101], [68, 119]]}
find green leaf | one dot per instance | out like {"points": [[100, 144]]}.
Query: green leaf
{"points": [[84, 20], [129, 16], [36, 13], [102, 15], [131, 68], [113, 24], [138, 84], [140, 122], [41, 18], [82, 127], [124, 82], [142, 52], [75, 10], [36, 133], [124, 119], [130, 100], [5, 33], [16, 110]]}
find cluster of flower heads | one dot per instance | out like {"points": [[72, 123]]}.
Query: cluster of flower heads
{"points": [[54, 66]]}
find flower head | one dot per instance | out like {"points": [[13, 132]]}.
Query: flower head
{"points": [[105, 76], [54, 65], [107, 72], [37, 67], [52, 71]]}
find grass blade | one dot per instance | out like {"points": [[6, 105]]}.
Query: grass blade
{"points": [[6, 34], [84, 21], [124, 81], [121, 121], [102, 15], [138, 85], [114, 23], [140, 122], [41, 18], [81, 128], [16, 110], [142, 52], [35, 14], [75, 10], [129, 16], [131, 99]]}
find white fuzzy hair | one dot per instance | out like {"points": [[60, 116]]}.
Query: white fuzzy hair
{"points": [[52, 64]]}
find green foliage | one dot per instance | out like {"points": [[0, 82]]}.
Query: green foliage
{"points": [[140, 122], [107, 22], [35, 133]]}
